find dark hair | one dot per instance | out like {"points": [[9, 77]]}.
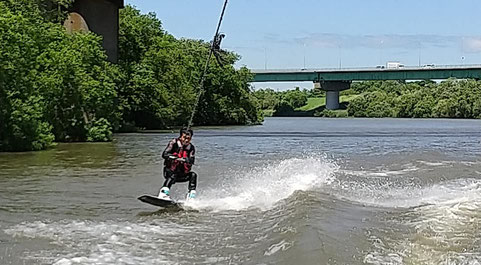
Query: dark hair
{"points": [[187, 131]]}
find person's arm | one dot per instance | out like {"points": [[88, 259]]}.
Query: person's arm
{"points": [[191, 156], [167, 154]]}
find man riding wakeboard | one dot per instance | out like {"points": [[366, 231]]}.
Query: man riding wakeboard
{"points": [[179, 157]]}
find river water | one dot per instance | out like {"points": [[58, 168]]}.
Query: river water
{"points": [[292, 191]]}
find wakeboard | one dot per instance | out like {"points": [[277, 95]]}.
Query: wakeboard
{"points": [[159, 202]]}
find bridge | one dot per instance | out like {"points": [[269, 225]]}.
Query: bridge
{"points": [[335, 80]]}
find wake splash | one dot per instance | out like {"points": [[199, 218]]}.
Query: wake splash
{"points": [[106, 242], [444, 228], [263, 187], [410, 196], [435, 223]]}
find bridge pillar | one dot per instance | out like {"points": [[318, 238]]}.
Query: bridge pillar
{"points": [[101, 17], [332, 99], [332, 89]]}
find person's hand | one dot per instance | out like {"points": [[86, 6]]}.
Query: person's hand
{"points": [[180, 159], [173, 157]]}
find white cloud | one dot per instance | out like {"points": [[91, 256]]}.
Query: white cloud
{"points": [[385, 41], [472, 44]]}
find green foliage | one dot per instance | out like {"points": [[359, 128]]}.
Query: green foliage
{"points": [[295, 98], [22, 123], [52, 83], [268, 112], [59, 86], [22, 128], [228, 98], [425, 99], [284, 108], [331, 113], [325, 113], [137, 32], [379, 104], [316, 93], [268, 99], [99, 131], [161, 78], [283, 102], [422, 99], [78, 85], [40, 10]]}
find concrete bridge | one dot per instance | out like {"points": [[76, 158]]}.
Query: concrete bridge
{"points": [[335, 80]]}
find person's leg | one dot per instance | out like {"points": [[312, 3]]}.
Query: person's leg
{"points": [[164, 192], [192, 185], [169, 178], [192, 176]]}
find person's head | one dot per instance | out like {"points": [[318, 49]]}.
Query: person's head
{"points": [[186, 135]]}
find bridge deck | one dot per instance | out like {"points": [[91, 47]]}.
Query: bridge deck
{"points": [[362, 74]]}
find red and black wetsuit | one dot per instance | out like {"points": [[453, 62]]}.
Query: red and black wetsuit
{"points": [[177, 171]]}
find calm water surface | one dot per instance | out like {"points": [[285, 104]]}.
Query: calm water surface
{"points": [[292, 191]]}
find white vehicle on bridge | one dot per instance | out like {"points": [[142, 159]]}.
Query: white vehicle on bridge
{"points": [[428, 66], [394, 65]]}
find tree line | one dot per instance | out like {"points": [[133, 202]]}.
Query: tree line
{"points": [[280, 102], [59, 87], [423, 99], [398, 99]]}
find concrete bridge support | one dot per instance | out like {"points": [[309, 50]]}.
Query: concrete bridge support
{"points": [[332, 99], [332, 89], [101, 17]]}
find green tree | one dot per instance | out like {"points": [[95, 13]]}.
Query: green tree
{"points": [[78, 84], [52, 83], [268, 99], [137, 33], [162, 76], [357, 107], [23, 126], [423, 99], [295, 98]]}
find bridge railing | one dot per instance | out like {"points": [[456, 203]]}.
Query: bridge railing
{"points": [[347, 69]]}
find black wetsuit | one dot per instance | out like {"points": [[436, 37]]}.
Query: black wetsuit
{"points": [[176, 171]]}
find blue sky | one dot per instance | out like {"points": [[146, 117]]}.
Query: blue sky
{"points": [[291, 34]]}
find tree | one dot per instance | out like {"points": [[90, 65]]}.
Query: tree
{"points": [[78, 84], [162, 79], [295, 98], [268, 98], [23, 126], [53, 84]]}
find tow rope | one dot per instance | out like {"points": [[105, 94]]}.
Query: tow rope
{"points": [[215, 45]]}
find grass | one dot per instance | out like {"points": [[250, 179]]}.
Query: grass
{"points": [[314, 103]]}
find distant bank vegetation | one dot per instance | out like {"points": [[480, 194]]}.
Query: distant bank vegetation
{"points": [[423, 99], [56, 86]]}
